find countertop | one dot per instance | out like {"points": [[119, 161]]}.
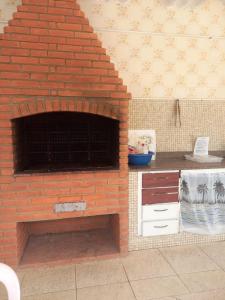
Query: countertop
{"points": [[176, 161]]}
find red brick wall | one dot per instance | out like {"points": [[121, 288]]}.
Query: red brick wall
{"points": [[49, 49], [68, 225], [50, 60], [22, 238]]}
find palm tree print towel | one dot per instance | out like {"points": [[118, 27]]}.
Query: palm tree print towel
{"points": [[202, 197]]}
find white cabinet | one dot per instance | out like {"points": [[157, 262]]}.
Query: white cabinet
{"points": [[160, 211], [158, 203], [162, 227]]}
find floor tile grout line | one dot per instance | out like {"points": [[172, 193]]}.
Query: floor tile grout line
{"points": [[160, 251], [26, 273], [205, 291], [178, 275], [75, 276], [203, 271], [176, 296], [220, 268], [21, 283], [128, 280], [118, 282], [154, 277], [164, 276], [48, 293], [99, 285]]}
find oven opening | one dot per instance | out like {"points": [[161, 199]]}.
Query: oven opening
{"points": [[65, 141]]}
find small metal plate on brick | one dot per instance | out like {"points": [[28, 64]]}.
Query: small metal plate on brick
{"points": [[70, 206]]}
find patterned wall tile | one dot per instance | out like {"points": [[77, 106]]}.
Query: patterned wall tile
{"points": [[176, 51], [158, 66], [206, 18]]}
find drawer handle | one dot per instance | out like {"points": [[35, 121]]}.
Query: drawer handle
{"points": [[159, 210], [165, 193], [159, 193], [164, 226]]}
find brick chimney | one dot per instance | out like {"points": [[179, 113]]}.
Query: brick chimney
{"points": [[51, 61]]}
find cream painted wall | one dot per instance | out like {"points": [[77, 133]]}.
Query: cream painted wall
{"points": [[164, 52], [7, 7]]}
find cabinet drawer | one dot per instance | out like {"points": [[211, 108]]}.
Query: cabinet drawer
{"points": [[159, 195], [160, 179], [160, 227], [161, 211]]}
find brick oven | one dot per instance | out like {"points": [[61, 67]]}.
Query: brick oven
{"points": [[63, 150]]}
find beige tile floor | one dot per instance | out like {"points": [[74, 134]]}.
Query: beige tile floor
{"points": [[176, 273]]}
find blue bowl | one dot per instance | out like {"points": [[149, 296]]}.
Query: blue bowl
{"points": [[140, 159]]}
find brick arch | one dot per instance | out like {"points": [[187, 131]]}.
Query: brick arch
{"points": [[33, 107]]}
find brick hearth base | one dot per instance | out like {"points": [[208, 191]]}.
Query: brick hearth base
{"points": [[69, 240]]}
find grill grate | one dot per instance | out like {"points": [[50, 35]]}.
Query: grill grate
{"points": [[65, 141]]}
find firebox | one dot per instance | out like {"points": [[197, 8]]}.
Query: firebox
{"points": [[65, 141]]}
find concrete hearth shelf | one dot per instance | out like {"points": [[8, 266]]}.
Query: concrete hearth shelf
{"points": [[69, 240], [70, 246]]}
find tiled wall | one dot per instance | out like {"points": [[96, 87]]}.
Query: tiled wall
{"points": [[164, 52], [198, 118]]}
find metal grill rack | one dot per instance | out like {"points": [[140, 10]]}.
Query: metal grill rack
{"points": [[65, 141]]}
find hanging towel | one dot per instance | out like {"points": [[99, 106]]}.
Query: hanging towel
{"points": [[202, 197]]}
